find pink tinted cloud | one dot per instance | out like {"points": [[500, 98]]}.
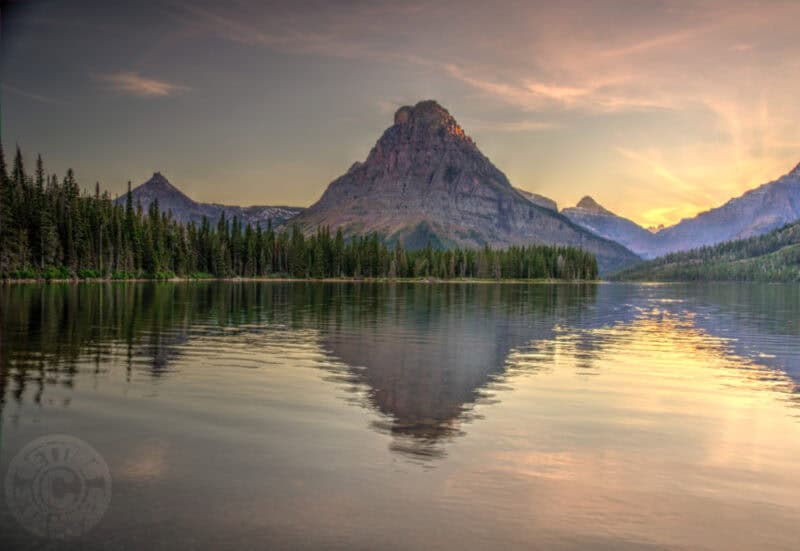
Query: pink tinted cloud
{"points": [[133, 83]]}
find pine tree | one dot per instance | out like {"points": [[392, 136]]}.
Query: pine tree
{"points": [[5, 213], [49, 226]]}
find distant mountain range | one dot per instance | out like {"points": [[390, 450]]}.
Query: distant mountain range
{"points": [[774, 256], [186, 209], [758, 211], [426, 181], [589, 214]]}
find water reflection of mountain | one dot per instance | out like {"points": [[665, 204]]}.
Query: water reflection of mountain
{"points": [[434, 350], [422, 355], [427, 354]]}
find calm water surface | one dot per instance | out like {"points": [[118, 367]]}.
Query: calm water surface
{"points": [[398, 416]]}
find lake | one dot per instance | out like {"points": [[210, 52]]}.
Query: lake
{"points": [[254, 415]]}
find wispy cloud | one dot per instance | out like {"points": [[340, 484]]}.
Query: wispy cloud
{"points": [[35, 97], [516, 126], [137, 85], [336, 33], [601, 96]]}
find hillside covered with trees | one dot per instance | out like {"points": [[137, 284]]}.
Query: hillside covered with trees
{"points": [[774, 256], [50, 229]]}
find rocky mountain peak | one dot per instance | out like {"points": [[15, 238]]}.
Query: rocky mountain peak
{"points": [[426, 182], [159, 182], [185, 209], [587, 203], [428, 117], [158, 188], [796, 170]]}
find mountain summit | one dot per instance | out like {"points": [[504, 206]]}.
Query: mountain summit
{"points": [[425, 180], [589, 214], [185, 209], [590, 205]]}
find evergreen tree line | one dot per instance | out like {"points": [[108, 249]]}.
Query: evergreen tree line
{"points": [[50, 229]]}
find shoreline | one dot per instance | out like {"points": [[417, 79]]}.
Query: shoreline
{"points": [[262, 279]]}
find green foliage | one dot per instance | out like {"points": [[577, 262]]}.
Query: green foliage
{"points": [[52, 230], [25, 273], [56, 273], [772, 257], [89, 273]]}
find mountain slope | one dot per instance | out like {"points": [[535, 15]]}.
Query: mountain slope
{"points": [[185, 209], [774, 256], [425, 180], [589, 214], [540, 200], [760, 210]]}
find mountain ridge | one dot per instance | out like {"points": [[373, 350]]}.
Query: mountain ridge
{"points": [[773, 256], [185, 209], [755, 212]]}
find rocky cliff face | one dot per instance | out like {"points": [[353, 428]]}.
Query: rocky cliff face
{"points": [[425, 180], [589, 214], [185, 209]]}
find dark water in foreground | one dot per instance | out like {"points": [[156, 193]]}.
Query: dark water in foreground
{"points": [[383, 416]]}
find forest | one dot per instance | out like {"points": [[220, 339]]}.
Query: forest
{"points": [[50, 229], [772, 257]]}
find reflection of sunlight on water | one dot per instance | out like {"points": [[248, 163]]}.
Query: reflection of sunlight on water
{"points": [[546, 416], [677, 440], [660, 344]]}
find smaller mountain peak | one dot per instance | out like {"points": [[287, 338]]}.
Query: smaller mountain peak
{"points": [[588, 203], [796, 170], [158, 179]]}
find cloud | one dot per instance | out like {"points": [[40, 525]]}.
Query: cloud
{"points": [[136, 85], [698, 97], [601, 96], [334, 33], [29, 95], [516, 126]]}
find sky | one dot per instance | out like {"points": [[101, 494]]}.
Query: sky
{"points": [[657, 109]]}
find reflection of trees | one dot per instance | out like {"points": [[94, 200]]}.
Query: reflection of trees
{"points": [[447, 341], [49, 330], [422, 355]]}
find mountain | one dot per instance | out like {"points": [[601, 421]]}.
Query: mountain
{"points": [[426, 181], [758, 211], [774, 256], [590, 215], [185, 209]]}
